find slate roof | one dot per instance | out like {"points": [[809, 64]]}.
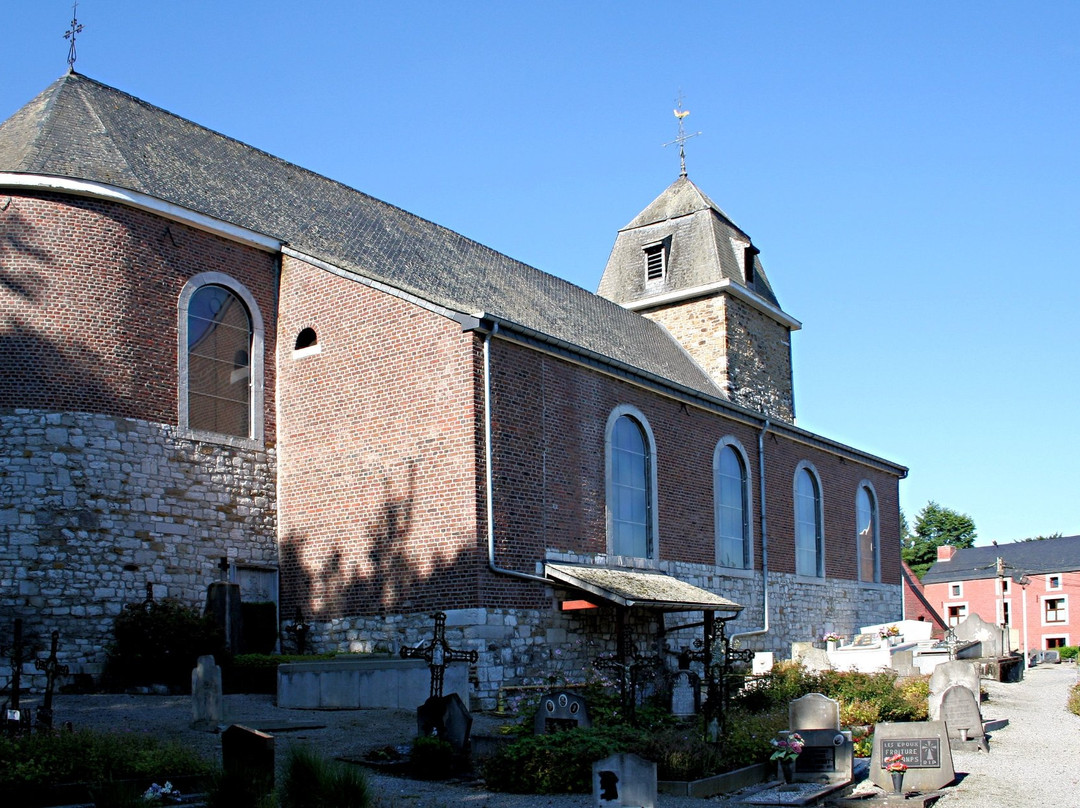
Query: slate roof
{"points": [[1022, 557], [701, 247], [82, 129], [639, 589]]}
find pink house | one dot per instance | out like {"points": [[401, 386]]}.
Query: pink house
{"points": [[1033, 587]]}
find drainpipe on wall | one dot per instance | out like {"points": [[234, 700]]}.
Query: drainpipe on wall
{"points": [[764, 542], [489, 473]]}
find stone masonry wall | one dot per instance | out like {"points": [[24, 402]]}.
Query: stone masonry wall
{"points": [[95, 507]]}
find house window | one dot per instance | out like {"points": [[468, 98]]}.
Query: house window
{"points": [[220, 357], [655, 262], [1004, 586], [809, 531], [1054, 610], [1053, 582], [631, 485], [749, 253], [957, 614], [1005, 621], [956, 590], [866, 534], [731, 494], [1056, 642]]}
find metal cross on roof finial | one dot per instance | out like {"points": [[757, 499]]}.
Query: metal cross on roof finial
{"points": [[75, 30], [681, 114]]}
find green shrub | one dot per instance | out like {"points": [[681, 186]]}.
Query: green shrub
{"points": [[747, 736], [431, 758], [159, 642], [260, 626], [257, 673], [1068, 651], [1073, 703], [311, 781], [559, 763]]}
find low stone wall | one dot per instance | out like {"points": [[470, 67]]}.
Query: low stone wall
{"points": [[363, 683]]}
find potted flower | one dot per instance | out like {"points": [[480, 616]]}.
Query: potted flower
{"points": [[162, 795], [895, 766], [891, 634], [831, 639], [785, 749]]}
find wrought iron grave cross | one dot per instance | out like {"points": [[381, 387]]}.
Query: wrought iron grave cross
{"points": [[52, 669], [438, 654]]}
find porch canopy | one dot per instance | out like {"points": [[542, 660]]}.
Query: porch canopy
{"points": [[636, 589]]}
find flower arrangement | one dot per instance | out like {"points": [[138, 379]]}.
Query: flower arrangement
{"points": [[159, 795], [890, 631], [895, 763], [831, 636], [787, 748]]}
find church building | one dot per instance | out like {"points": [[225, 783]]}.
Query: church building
{"points": [[218, 365]]}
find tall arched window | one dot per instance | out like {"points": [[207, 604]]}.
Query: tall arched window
{"points": [[631, 481], [866, 534], [220, 358], [809, 550], [731, 496]]}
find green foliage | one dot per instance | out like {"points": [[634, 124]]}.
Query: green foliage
{"points": [[260, 626], [1068, 651], [559, 763], [1041, 538], [311, 781], [257, 673], [747, 737], [30, 762], [1073, 702], [239, 789], [682, 753], [159, 643], [934, 526], [431, 758]]}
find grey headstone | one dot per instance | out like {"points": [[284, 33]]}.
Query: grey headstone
{"points": [[975, 629], [223, 605], [926, 751], [903, 662], [813, 711], [1051, 656], [960, 712], [248, 754], [446, 717], [684, 694], [828, 756], [624, 781], [811, 658], [946, 675], [560, 710], [207, 701]]}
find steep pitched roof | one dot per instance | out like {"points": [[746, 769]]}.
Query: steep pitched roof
{"points": [[82, 129], [703, 243], [1023, 557]]}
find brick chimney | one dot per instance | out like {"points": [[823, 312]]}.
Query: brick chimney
{"points": [[945, 552]]}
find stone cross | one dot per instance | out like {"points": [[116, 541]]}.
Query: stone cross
{"points": [[52, 669], [438, 654]]}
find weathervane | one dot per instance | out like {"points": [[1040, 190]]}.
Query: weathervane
{"points": [[681, 114], [75, 30]]}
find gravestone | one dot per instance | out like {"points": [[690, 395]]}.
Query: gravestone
{"points": [[624, 781], [685, 694], [811, 658], [207, 701], [1051, 656], [560, 710], [445, 717], [223, 606], [762, 663], [960, 712], [828, 754], [866, 640], [947, 674], [991, 636], [903, 662], [247, 755], [926, 751]]}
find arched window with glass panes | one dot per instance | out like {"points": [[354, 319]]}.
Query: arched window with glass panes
{"points": [[731, 500], [809, 530], [631, 485], [866, 534]]}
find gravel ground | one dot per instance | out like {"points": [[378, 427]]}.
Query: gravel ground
{"points": [[1032, 761]]}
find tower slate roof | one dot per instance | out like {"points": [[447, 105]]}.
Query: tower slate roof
{"points": [[702, 248], [1061, 554], [82, 129]]}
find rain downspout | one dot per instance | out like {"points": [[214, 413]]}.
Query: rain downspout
{"points": [[764, 542], [489, 473]]}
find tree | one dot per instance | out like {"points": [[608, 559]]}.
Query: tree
{"points": [[1043, 538], [934, 526]]}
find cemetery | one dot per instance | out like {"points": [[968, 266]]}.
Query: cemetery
{"points": [[816, 729]]}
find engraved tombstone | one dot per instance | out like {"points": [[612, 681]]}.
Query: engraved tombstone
{"points": [[926, 751], [248, 756], [947, 674], [624, 781], [445, 717], [991, 636], [960, 712], [828, 754], [560, 710], [685, 694], [207, 702]]}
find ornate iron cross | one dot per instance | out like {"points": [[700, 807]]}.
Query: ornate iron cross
{"points": [[75, 29], [438, 654], [52, 669]]}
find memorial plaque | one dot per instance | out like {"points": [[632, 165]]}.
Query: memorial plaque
{"points": [[816, 759], [961, 715], [919, 753], [926, 751], [560, 710]]}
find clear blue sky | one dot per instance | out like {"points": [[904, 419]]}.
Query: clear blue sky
{"points": [[910, 172]]}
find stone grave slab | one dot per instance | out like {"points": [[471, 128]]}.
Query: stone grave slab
{"points": [[811, 658], [207, 701], [624, 781], [445, 717], [866, 641], [946, 675], [903, 662], [813, 711], [991, 636], [961, 714], [560, 710], [828, 755], [762, 663], [926, 751], [248, 754], [685, 694], [1051, 656]]}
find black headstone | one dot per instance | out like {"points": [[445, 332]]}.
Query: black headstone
{"points": [[248, 754], [445, 717]]}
